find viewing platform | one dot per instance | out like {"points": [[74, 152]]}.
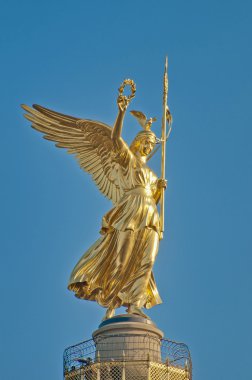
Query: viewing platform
{"points": [[127, 347]]}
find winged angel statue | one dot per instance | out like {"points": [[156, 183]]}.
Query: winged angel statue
{"points": [[117, 269]]}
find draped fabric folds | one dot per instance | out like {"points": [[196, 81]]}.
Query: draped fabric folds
{"points": [[117, 269]]}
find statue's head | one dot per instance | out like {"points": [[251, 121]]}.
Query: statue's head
{"points": [[144, 142]]}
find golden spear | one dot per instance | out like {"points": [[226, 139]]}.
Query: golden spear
{"points": [[166, 117]]}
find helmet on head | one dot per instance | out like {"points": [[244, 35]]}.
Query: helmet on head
{"points": [[146, 133]]}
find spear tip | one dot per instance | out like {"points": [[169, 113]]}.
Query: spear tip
{"points": [[166, 63]]}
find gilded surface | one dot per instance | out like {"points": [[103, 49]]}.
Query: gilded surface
{"points": [[117, 269]]}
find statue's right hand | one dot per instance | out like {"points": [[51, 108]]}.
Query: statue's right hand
{"points": [[162, 183], [122, 102]]}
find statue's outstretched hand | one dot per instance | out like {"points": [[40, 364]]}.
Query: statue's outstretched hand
{"points": [[122, 102]]}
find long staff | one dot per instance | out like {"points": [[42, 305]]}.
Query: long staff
{"points": [[166, 117]]}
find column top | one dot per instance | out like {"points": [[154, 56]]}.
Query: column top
{"points": [[128, 324], [127, 318]]}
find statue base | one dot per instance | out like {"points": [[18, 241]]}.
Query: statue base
{"points": [[128, 337]]}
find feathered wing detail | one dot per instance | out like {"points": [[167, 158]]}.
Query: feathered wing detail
{"points": [[140, 116], [90, 141]]}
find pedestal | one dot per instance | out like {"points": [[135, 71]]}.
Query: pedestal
{"points": [[128, 337]]}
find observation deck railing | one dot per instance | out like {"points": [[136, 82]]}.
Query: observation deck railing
{"points": [[143, 358]]}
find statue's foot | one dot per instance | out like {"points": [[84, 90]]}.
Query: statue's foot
{"points": [[109, 313], [132, 309]]}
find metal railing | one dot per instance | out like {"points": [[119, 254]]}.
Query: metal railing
{"points": [[124, 357]]}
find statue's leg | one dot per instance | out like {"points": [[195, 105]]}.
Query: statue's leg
{"points": [[147, 250], [122, 249], [109, 313], [134, 309], [119, 267]]}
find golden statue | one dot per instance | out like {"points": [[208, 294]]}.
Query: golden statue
{"points": [[117, 269]]}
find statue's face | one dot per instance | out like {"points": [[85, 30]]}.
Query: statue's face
{"points": [[146, 146]]}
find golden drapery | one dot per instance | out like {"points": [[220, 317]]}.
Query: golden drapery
{"points": [[117, 269]]}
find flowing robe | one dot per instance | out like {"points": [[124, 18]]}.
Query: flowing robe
{"points": [[117, 269]]}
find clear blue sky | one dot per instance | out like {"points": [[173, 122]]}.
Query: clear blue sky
{"points": [[71, 56]]}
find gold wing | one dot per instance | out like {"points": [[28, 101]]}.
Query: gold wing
{"points": [[90, 142]]}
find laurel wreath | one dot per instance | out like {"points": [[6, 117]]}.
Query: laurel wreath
{"points": [[131, 83]]}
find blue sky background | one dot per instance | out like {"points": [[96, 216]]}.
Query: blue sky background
{"points": [[71, 56]]}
